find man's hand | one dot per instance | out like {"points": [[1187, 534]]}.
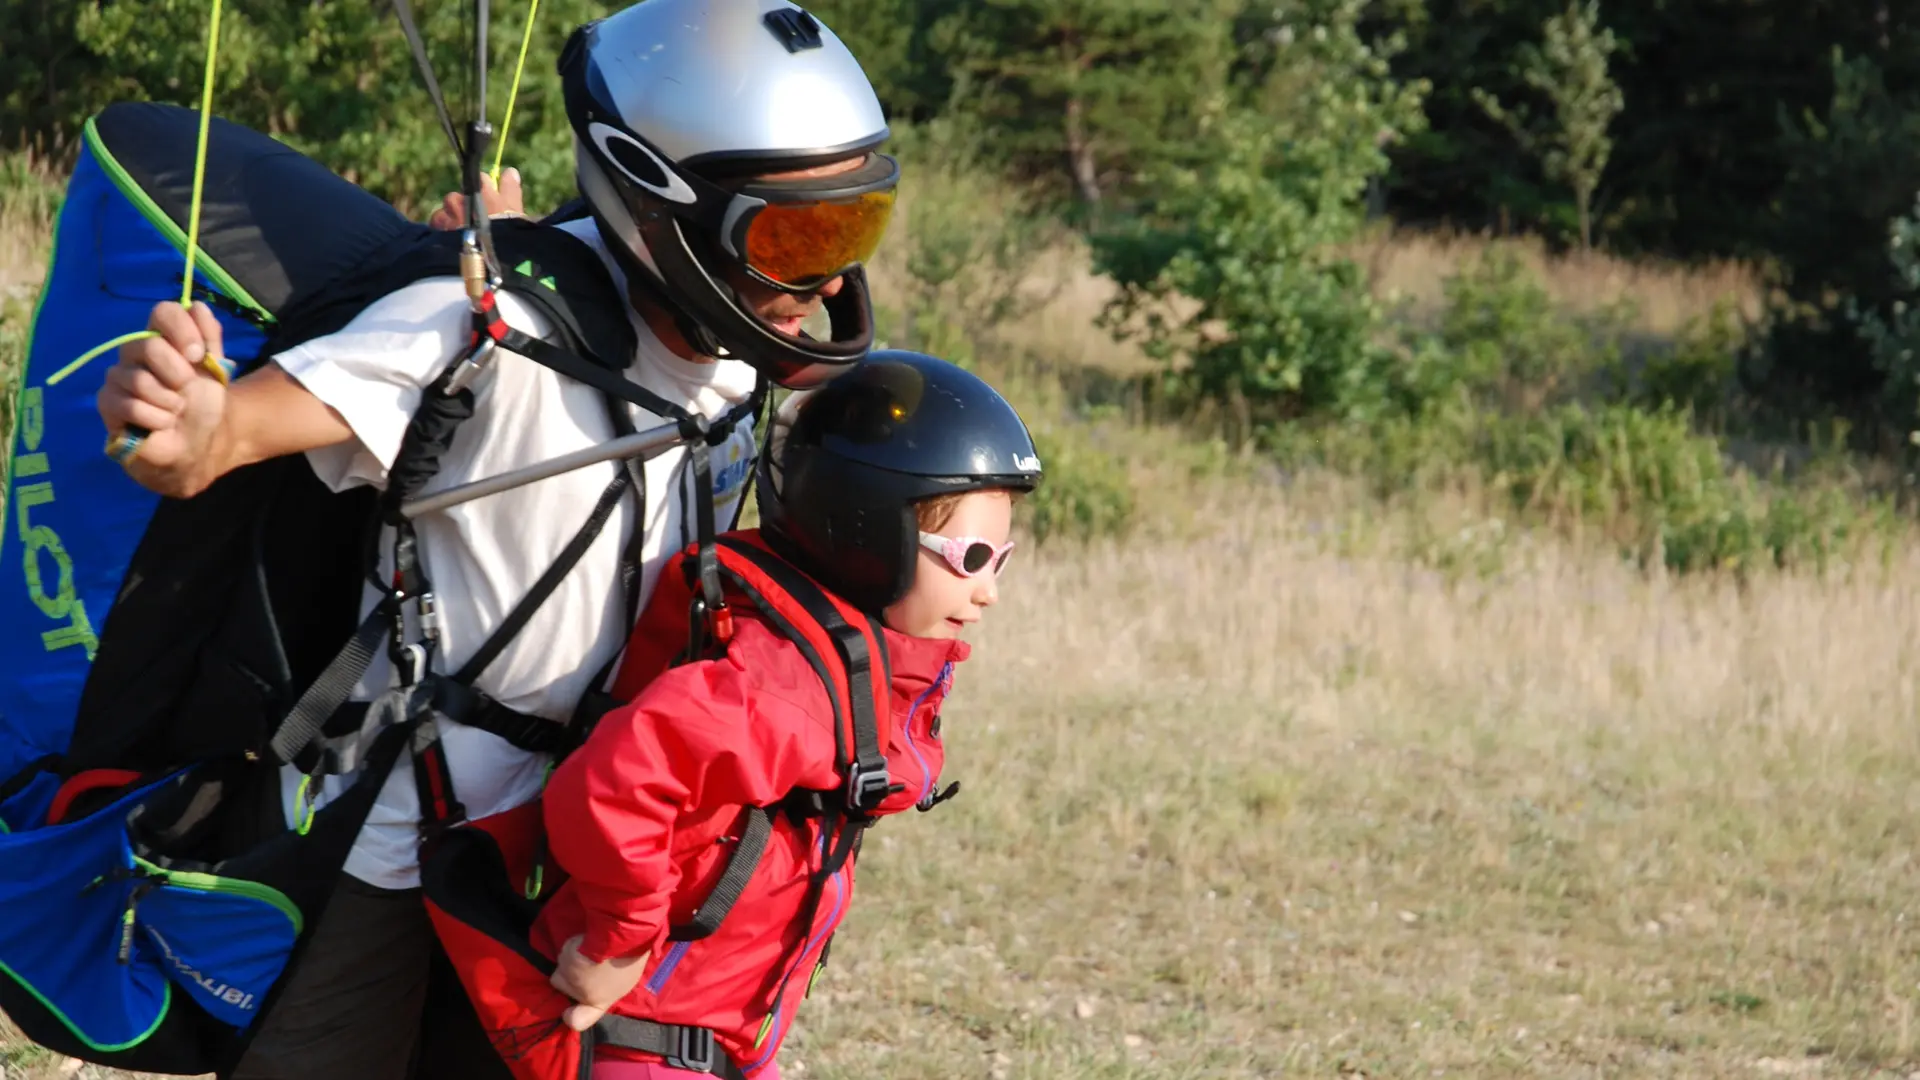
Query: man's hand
{"points": [[199, 428], [595, 986], [500, 201], [159, 384]]}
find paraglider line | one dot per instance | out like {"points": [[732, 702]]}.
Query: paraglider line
{"points": [[193, 223], [200, 154], [96, 351], [513, 93]]}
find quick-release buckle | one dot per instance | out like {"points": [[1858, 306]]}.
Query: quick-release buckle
{"points": [[696, 1053], [867, 788]]}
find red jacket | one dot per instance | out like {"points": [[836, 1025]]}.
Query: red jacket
{"points": [[640, 818]]}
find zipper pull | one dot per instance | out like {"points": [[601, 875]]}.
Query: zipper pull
{"points": [[125, 952], [126, 934], [952, 790]]}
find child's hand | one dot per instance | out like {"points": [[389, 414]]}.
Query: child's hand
{"points": [[596, 986], [501, 201]]}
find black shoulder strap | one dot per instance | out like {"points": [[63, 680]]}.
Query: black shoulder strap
{"points": [[864, 765], [565, 278]]}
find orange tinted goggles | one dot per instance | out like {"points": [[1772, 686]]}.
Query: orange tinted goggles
{"points": [[801, 245]]}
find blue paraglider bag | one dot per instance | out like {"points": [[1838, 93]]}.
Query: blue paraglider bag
{"points": [[152, 892], [146, 934], [148, 922]]}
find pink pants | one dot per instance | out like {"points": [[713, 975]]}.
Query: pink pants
{"points": [[653, 1070]]}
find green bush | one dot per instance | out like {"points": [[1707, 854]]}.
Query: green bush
{"points": [[1085, 494], [1503, 391], [953, 264], [1668, 494], [1700, 372], [1852, 174], [1275, 325], [1501, 341]]}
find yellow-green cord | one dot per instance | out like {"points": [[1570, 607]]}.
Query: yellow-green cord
{"points": [[200, 153], [193, 214], [96, 351], [526, 39]]}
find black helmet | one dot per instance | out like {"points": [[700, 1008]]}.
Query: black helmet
{"points": [[846, 462]]}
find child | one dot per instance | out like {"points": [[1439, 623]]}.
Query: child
{"points": [[892, 488]]}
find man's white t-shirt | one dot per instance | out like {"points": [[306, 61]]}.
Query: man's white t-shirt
{"points": [[483, 556]]}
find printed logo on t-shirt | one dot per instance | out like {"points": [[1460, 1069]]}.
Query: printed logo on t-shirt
{"points": [[731, 465]]}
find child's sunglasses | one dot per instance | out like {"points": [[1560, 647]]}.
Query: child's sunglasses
{"points": [[968, 555]]}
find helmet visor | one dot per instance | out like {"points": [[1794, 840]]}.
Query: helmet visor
{"points": [[802, 245]]}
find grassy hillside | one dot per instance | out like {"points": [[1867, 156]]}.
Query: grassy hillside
{"points": [[1273, 767]]}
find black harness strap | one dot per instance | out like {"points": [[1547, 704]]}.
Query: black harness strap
{"points": [[543, 588], [470, 707], [865, 768], [757, 406], [326, 694], [615, 385], [683, 1046], [747, 853], [439, 807], [700, 434], [845, 844]]}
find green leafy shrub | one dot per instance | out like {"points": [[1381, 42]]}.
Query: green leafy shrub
{"points": [[1501, 341], [1227, 275], [1085, 493], [953, 264], [1700, 372], [1851, 175], [1668, 494]]}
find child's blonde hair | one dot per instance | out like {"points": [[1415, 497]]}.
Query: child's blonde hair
{"points": [[934, 513]]}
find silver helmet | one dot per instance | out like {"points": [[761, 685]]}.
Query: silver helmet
{"points": [[680, 109]]}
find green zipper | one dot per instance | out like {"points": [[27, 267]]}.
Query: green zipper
{"points": [[215, 884], [166, 1004], [168, 228]]}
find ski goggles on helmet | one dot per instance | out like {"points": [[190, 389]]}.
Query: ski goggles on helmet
{"points": [[968, 555], [798, 234], [791, 232]]}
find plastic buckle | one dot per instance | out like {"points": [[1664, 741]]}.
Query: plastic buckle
{"points": [[696, 1052], [867, 788]]}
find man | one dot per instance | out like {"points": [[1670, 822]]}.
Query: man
{"points": [[725, 156]]}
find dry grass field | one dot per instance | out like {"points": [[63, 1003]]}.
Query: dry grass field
{"points": [[1253, 794]]}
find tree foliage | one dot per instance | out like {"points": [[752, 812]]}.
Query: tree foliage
{"points": [[1281, 324], [1569, 68], [1782, 131]]}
